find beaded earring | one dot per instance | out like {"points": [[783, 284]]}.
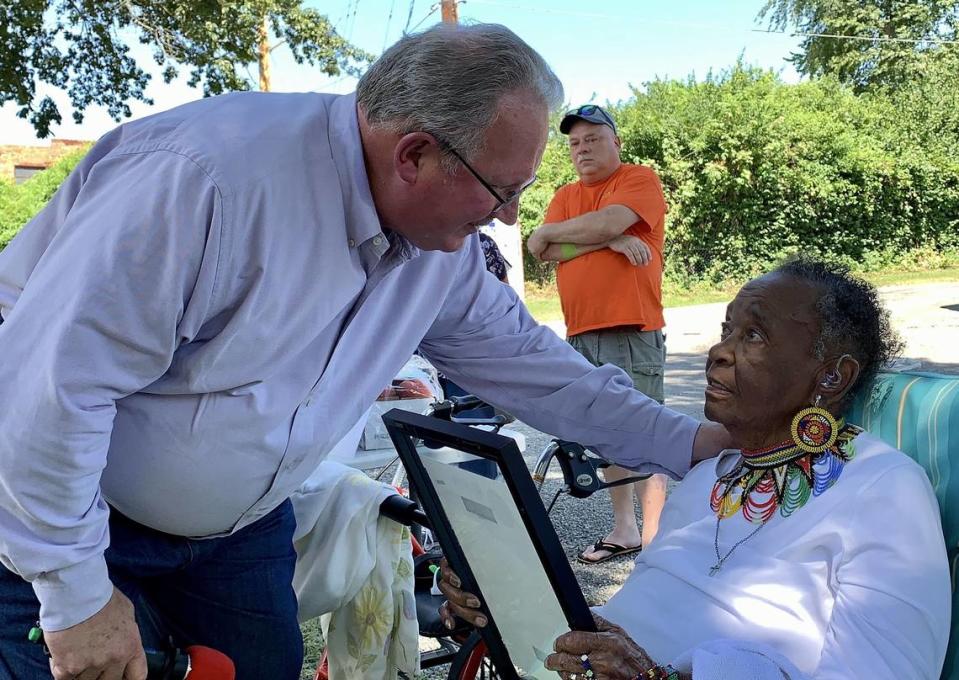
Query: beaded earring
{"points": [[814, 429]]}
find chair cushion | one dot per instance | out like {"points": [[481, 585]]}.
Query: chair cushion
{"points": [[918, 413]]}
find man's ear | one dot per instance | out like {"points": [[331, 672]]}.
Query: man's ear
{"points": [[409, 155], [617, 141]]}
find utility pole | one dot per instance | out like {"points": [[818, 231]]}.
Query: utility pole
{"points": [[263, 53], [450, 15]]}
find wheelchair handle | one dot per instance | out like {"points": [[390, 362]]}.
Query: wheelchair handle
{"points": [[402, 510]]}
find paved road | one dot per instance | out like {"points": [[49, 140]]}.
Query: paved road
{"points": [[925, 315]]}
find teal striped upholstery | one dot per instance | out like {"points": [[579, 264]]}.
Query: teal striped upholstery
{"points": [[918, 413]]}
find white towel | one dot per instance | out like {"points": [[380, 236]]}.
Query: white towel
{"points": [[355, 569]]}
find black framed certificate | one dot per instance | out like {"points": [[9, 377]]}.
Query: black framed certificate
{"points": [[496, 535]]}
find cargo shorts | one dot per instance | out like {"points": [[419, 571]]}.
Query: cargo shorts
{"points": [[642, 354]]}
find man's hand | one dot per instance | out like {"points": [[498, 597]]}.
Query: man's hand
{"points": [[536, 244], [104, 647], [633, 247]]}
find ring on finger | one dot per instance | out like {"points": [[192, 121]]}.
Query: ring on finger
{"points": [[445, 615], [587, 667]]}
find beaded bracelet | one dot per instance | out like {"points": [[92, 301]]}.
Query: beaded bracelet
{"points": [[666, 672]]}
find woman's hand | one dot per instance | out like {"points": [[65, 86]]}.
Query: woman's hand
{"points": [[458, 603], [611, 654]]}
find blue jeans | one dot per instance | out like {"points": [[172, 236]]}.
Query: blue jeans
{"points": [[233, 593]]}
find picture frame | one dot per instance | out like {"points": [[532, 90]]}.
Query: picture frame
{"points": [[519, 570]]}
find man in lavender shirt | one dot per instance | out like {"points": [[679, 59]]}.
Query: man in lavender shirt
{"points": [[215, 296]]}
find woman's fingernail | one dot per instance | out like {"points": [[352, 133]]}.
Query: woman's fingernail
{"points": [[472, 602], [455, 581], [448, 623], [480, 621]]}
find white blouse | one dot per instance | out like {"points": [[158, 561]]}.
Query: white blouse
{"points": [[854, 584]]}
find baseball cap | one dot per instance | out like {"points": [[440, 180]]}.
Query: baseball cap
{"points": [[588, 112]]}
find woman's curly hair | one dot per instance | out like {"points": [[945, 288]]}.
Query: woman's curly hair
{"points": [[853, 319]]}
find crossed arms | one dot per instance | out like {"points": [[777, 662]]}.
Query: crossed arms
{"points": [[603, 228]]}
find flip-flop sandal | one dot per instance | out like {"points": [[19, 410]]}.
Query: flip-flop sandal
{"points": [[613, 550]]}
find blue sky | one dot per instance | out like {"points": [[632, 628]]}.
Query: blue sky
{"points": [[598, 49]]}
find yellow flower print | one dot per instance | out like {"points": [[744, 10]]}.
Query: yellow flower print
{"points": [[373, 617]]}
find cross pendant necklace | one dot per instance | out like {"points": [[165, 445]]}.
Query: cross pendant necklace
{"points": [[721, 559]]}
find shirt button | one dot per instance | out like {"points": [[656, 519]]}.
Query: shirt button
{"points": [[352, 243], [377, 240]]}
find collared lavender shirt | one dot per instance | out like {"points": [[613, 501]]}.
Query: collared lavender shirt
{"points": [[209, 303]]}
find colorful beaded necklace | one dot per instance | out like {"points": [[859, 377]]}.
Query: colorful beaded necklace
{"points": [[781, 476]]}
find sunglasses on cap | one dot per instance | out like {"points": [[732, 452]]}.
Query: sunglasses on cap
{"points": [[591, 113], [591, 110]]}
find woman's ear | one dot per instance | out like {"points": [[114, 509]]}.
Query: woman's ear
{"points": [[410, 153], [835, 378]]}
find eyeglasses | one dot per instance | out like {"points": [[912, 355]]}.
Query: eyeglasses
{"points": [[592, 109], [501, 202]]}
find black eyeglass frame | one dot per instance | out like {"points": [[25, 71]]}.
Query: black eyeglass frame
{"points": [[500, 201]]}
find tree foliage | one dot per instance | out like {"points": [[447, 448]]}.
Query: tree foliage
{"points": [[82, 46], [888, 42], [20, 202], [755, 169]]}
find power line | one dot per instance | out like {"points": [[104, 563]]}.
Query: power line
{"points": [[331, 83], [428, 15], [409, 17], [356, 6], [868, 38], [345, 17], [712, 27], [389, 19], [593, 15]]}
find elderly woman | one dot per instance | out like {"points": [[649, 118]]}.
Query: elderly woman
{"points": [[815, 550]]}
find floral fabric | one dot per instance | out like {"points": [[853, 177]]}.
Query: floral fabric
{"points": [[354, 569]]}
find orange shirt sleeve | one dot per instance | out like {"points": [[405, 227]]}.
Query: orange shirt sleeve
{"points": [[641, 191], [557, 210]]}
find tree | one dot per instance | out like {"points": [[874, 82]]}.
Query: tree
{"points": [[81, 46], [884, 43]]}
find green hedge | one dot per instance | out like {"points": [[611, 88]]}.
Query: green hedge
{"points": [[20, 202], [755, 169]]}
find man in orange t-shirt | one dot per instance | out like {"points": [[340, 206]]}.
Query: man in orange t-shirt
{"points": [[606, 232]]}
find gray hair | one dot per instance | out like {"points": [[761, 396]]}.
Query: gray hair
{"points": [[448, 81], [853, 319]]}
